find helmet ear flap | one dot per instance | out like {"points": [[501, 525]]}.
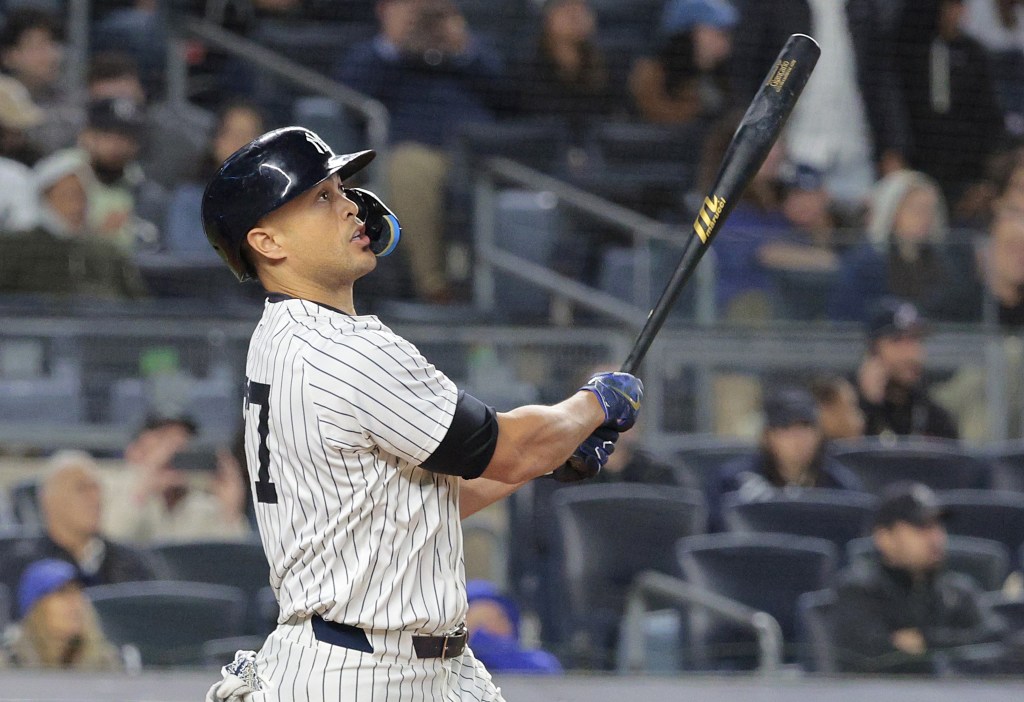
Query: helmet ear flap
{"points": [[382, 226]]}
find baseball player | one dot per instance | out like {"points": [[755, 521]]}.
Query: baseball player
{"points": [[364, 457]]}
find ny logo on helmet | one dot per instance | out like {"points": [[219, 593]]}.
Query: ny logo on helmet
{"points": [[319, 144]]}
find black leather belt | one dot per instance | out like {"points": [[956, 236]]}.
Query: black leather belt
{"points": [[346, 636]]}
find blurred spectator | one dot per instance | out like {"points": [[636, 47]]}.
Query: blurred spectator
{"points": [[998, 25], [154, 497], [120, 193], [493, 623], [433, 75], [630, 464], [947, 93], [890, 380], [140, 30], [904, 255], [839, 409], [743, 286], [565, 75], [848, 107], [172, 135], [17, 194], [791, 455], [810, 243], [238, 123], [1008, 181], [72, 509], [30, 51], [686, 76], [903, 612], [997, 295], [62, 255], [58, 627]]}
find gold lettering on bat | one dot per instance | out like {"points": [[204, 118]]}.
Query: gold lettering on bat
{"points": [[708, 216], [782, 74]]}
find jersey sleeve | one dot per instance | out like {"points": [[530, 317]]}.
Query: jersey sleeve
{"points": [[378, 390]]}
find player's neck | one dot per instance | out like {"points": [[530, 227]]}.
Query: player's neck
{"points": [[340, 299]]}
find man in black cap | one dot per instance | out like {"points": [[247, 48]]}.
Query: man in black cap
{"points": [[890, 380], [902, 611], [122, 200], [791, 455]]}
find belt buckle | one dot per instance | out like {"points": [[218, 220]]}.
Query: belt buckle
{"points": [[460, 630]]}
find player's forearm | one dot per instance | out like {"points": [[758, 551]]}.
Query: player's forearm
{"points": [[474, 495], [534, 440]]}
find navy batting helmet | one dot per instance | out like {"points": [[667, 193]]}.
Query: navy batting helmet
{"points": [[260, 177]]}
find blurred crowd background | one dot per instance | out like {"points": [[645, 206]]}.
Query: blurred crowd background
{"points": [[834, 422]]}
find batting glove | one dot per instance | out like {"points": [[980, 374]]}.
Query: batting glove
{"points": [[239, 680], [620, 395], [588, 460]]}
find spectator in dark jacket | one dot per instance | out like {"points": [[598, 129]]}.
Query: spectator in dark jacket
{"points": [[433, 75], [948, 95], [70, 498], [890, 380], [792, 455], [902, 611], [565, 75]]}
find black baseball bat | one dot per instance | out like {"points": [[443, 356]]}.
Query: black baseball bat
{"points": [[758, 131]]}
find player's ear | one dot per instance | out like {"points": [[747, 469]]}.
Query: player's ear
{"points": [[263, 241]]}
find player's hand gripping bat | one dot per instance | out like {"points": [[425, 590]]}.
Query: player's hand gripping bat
{"points": [[758, 131]]}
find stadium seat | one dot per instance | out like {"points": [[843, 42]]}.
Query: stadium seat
{"points": [[609, 534], [814, 627], [618, 278], [329, 120], [24, 496], [168, 621], [764, 571], [941, 465], [1007, 460], [183, 228], [238, 564], [836, 515], [1011, 609], [56, 398], [984, 560], [987, 514], [701, 456], [5, 606]]}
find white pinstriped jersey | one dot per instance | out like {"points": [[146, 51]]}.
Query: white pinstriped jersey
{"points": [[339, 413]]}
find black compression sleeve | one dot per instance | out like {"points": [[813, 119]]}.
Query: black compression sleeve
{"points": [[469, 444]]}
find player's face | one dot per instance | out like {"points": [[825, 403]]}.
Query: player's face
{"points": [[323, 240]]}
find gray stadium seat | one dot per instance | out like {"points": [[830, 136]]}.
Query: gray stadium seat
{"points": [[168, 621], [988, 514], [764, 571], [939, 464], [608, 535], [836, 515], [238, 564]]}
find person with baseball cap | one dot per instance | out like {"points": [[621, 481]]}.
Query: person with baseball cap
{"points": [[58, 627], [902, 610], [890, 380], [791, 455]]}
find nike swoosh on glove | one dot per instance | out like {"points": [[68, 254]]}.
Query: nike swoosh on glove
{"points": [[620, 395], [589, 458]]}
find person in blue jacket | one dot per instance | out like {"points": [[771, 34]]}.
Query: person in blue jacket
{"points": [[493, 623]]}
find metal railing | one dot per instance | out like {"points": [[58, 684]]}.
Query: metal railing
{"points": [[653, 587], [284, 69], [491, 257]]}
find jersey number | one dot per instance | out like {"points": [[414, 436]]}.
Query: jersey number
{"points": [[259, 394]]}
